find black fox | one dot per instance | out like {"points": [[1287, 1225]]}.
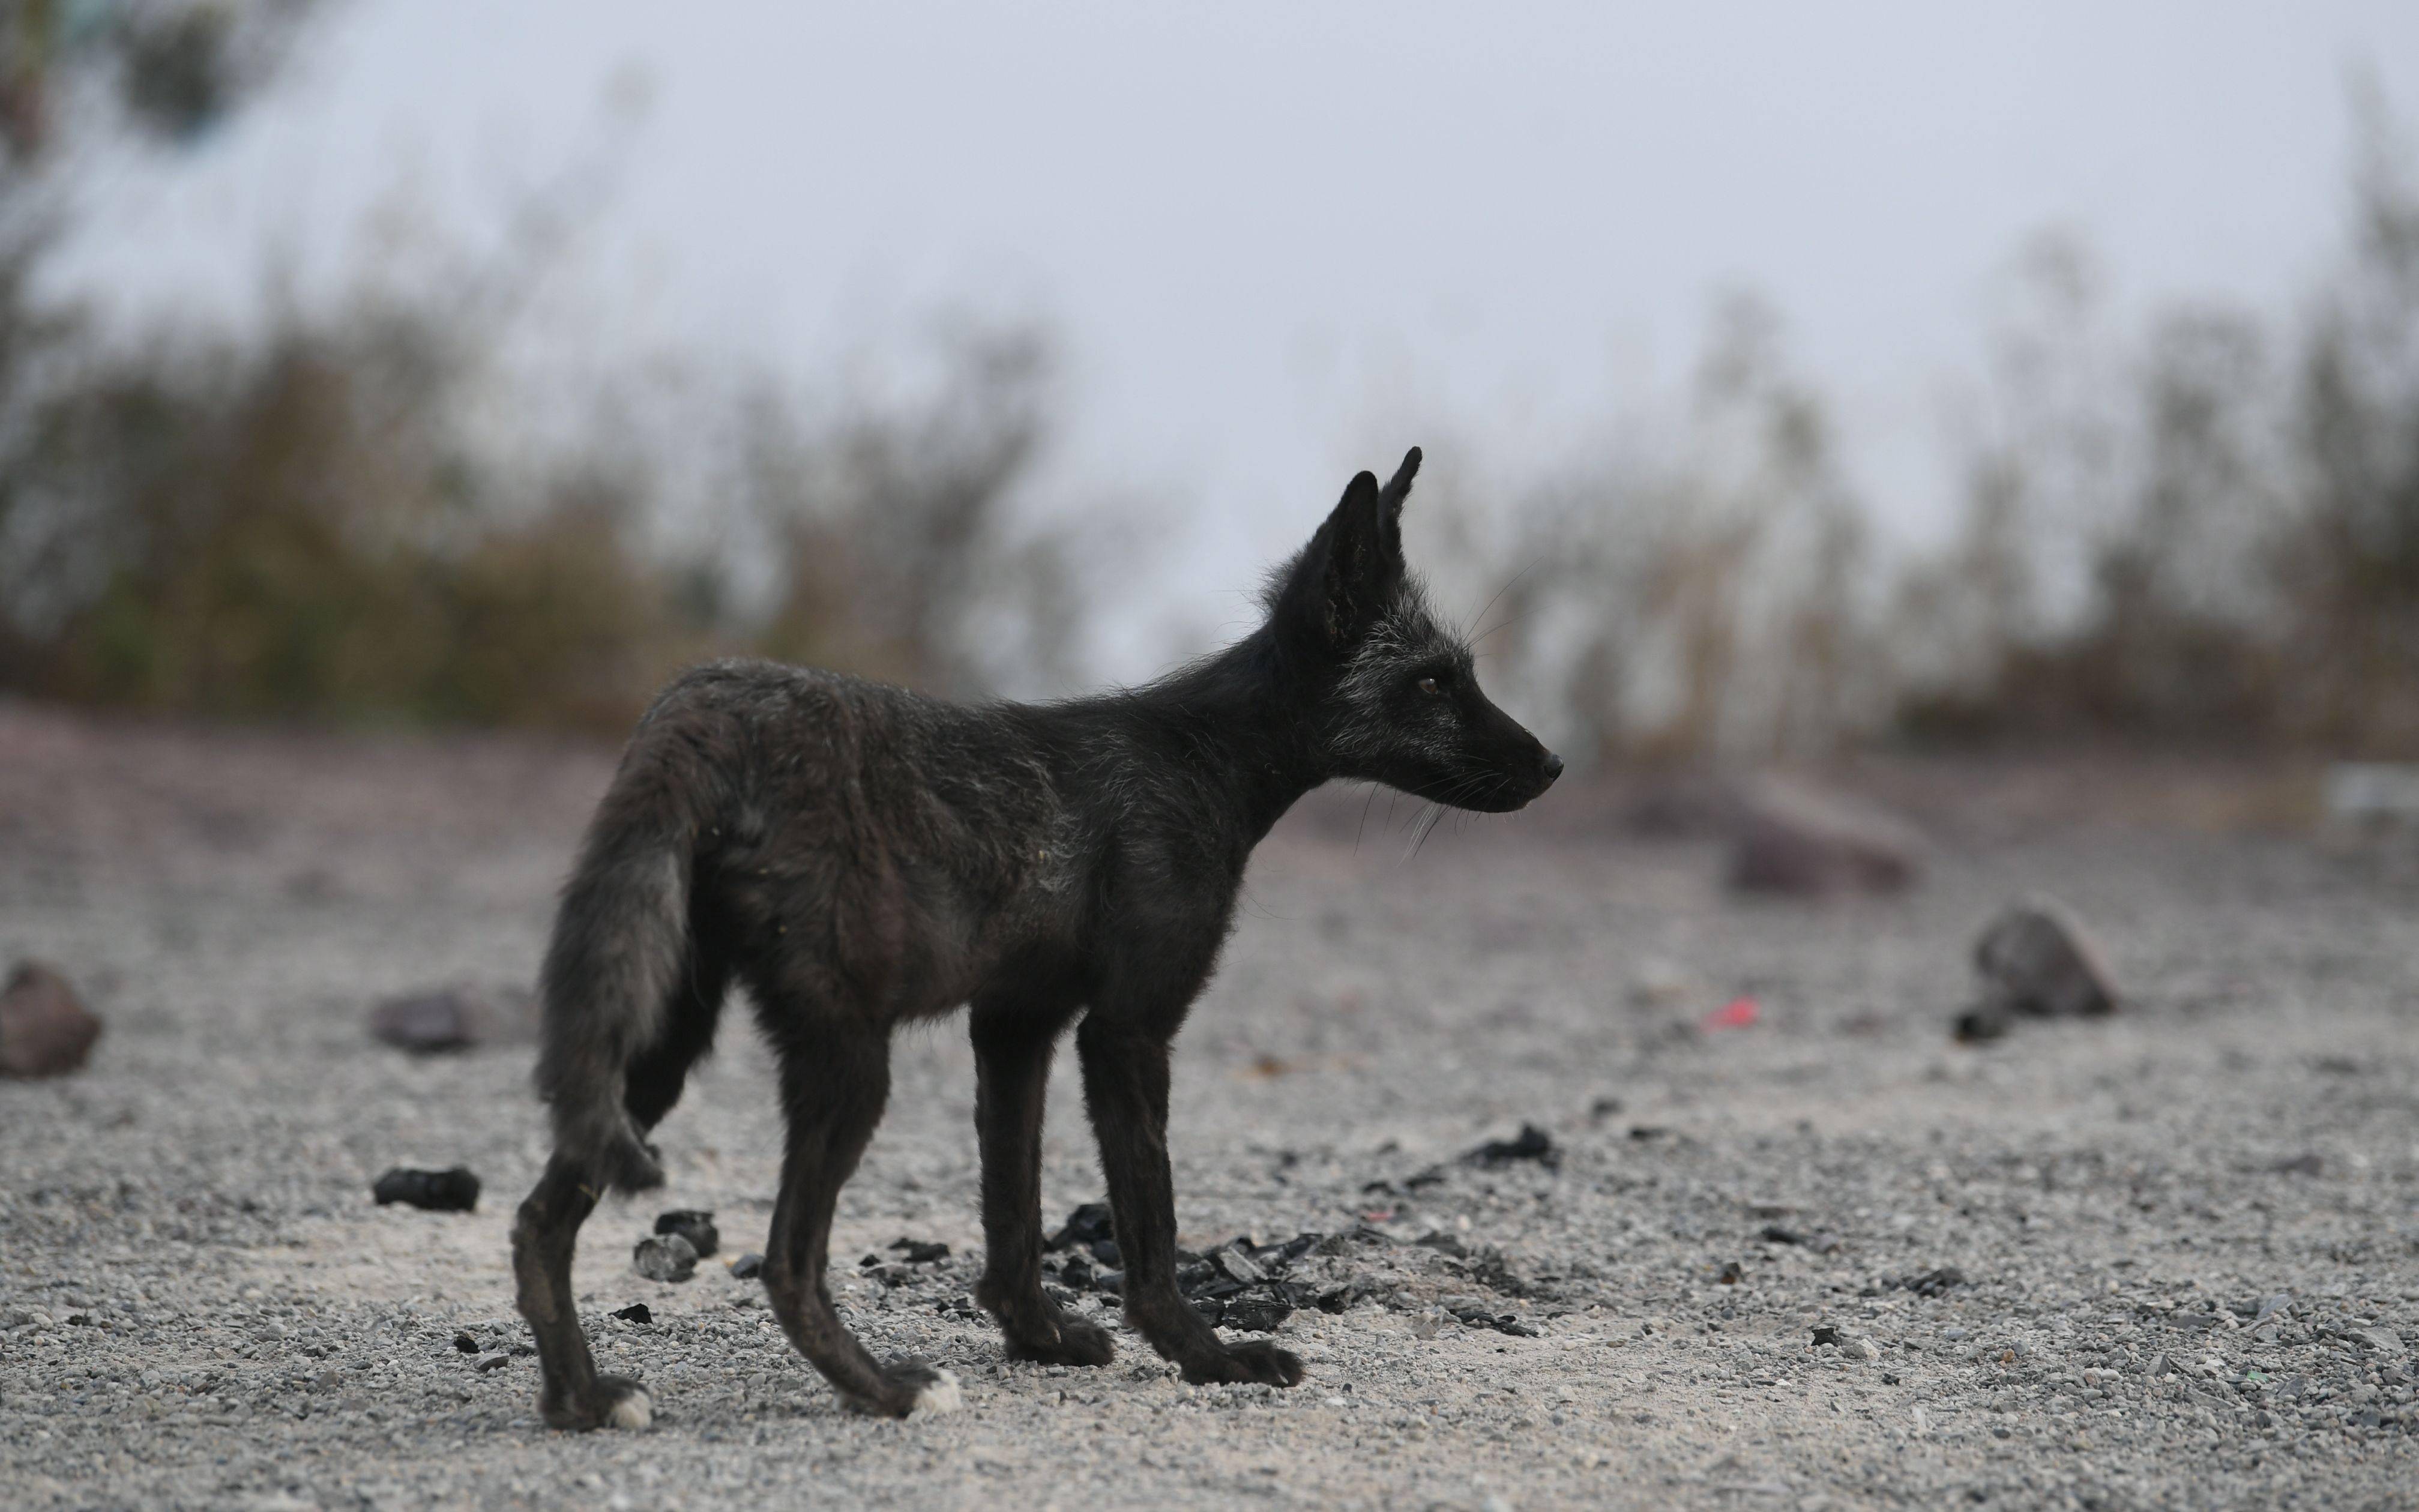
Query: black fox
{"points": [[860, 856]]}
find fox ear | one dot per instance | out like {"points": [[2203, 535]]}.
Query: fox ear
{"points": [[1390, 504], [1352, 569]]}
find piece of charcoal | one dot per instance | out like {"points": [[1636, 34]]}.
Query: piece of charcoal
{"points": [[1932, 1283], [1980, 1024], [1111, 1282], [920, 1252], [1531, 1143], [1297, 1246], [1238, 1266], [1212, 1311], [747, 1267], [1335, 1299], [464, 1343], [1086, 1225], [1079, 1272], [663, 1258], [694, 1227], [1418, 1179], [637, 1312], [1256, 1315], [1106, 1252], [451, 1191], [1443, 1243], [1828, 1334]]}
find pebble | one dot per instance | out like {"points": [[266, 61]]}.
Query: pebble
{"points": [[663, 1258]]}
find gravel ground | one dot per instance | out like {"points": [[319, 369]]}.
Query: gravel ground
{"points": [[2188, 1236]]}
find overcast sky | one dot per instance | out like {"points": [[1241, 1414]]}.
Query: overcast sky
{"points": [[1284, 240]]}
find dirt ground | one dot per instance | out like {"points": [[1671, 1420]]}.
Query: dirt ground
{"points": [[2186, 1237]]}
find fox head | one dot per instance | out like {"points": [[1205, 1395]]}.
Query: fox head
{"points": [[1394, 689]]}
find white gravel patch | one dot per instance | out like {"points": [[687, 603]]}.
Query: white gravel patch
{"points": [[2189, 1234]]}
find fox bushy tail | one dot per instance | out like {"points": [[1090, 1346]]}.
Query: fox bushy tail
{"points": [[621, 939]]}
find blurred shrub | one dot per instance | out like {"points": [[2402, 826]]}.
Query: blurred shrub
{"points": [[2206, 534], [295, 527], [2207, 548], [305, 522], [1703, 596]]}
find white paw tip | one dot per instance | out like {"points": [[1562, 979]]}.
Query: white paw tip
{"points": [[942, 1395], [634, 1410]]}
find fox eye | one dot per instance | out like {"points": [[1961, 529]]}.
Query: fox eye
{"points": [[1428, 685]]}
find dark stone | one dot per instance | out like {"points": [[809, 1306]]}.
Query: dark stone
{"points": [[1931, 1283], [747, 1267], [1256, 1315], [464, 1343], [1532, 1143], [456, 1018], [637, 1312], [1106, 1252], [45, 1030], [920, 1252], [1085, 1226], [451, 1191], [1980, 1024], [692, 1225], [2036, 960], [1212, 1311], [1829, 1334]]}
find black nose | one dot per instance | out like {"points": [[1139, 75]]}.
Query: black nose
{"points": [[1553, 766]]}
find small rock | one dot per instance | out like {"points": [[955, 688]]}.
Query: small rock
{"points": [[693, 1226], [637, 1312], [450, 1190], [1656, 983], [1790, 839], [1256, 1315], [2035, 959], [456, 1018], [492, 1362], [663, 1258], [1531, 1143], [464, 1343], [2311, 1164], [1864, 1350], [920, 1252], [2384, 1340], [1085, 1226], [1980, 1024], [45, 1030], [747, 1267], [1932, 1283]]}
